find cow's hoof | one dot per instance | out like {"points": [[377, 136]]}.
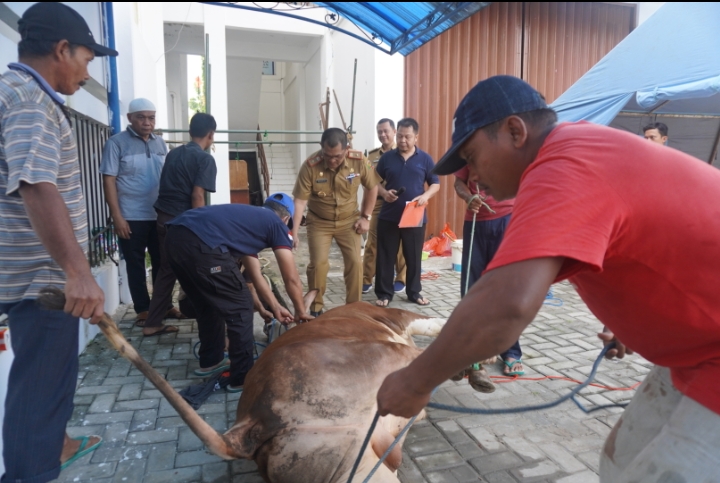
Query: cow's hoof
{"points": [[459, 376], [480, 380]]}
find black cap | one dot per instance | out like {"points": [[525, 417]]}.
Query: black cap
{"points": [[489, 101], [53, 21]]}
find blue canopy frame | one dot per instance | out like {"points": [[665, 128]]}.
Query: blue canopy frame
{"points": [[404, 26]]}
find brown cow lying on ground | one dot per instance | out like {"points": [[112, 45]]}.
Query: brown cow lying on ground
{"points": [[310, 398]]}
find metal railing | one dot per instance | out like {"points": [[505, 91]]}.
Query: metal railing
{"points": [[91, 136], [262, 162]]}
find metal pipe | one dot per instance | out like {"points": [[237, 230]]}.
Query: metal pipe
{"points": [[298, 17], [113, 92], [242, 131], [352, 103], [250, 143], [207, 73], [662, 114], [716, 144]]}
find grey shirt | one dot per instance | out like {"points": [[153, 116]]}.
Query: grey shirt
{"points": [[186, 166], [137, 164]]}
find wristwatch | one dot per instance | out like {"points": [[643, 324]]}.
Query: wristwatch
{"points": [[367, 217]]}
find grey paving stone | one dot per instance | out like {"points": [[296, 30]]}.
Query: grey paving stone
{"points": [[499, 477], [438, 461], [540, 469], [161, 456], [241, 467], [216, 472], [116, 433], [136, 404], [129, 471], [187, 441], [103, 403], [248, 478], [175, 475], [144, 420], [156, 436], [563, 458], [129, 392], [428, 446], [583, 477], [107, 418], [193, 458], [494, 462]]}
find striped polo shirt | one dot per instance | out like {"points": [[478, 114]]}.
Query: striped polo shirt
{"points": [[36, 146]]}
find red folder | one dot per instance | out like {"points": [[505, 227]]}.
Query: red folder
{"points": [[413, 215]]}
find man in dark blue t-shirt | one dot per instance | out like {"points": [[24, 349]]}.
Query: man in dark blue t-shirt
{"points": [[189, 172], [410, 168], [203, 247]]}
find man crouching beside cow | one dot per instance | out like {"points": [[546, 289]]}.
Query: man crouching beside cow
{"points": [[203, 246]]}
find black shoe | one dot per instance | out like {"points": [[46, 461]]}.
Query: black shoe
{"points": [[316, 314]]}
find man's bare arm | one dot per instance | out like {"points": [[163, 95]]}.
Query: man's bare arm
{"points": [[297, 219], [51, 221], [369, 199], [463, 191], [122, 228], [198, 197], [293, 286], [488, 320], [264, 293]]}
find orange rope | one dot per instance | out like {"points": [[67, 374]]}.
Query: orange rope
{"points": [[429, 276], [503, 379]]}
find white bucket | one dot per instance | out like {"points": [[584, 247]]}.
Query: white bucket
{"points": [[457, 250]]}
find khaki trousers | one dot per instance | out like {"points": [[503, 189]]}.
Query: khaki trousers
{"points": [[663, 436], [371, 254], [320, 234]]}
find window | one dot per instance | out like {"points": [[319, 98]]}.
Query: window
{"points": [[268, 67]]}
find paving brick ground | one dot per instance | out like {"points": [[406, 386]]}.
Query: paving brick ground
{"points": [[146, 441]]}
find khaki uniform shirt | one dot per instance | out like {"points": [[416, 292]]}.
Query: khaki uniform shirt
{"points": [[332, 194], [374, 158]]}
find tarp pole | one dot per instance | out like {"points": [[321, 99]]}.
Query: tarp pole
{"points": [[352, 103]]}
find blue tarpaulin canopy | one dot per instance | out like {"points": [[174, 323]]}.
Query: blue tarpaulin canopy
{"points": [[667, 70], [403, 26]]}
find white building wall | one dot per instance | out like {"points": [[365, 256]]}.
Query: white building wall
{"points": [[218, 105], [272, 114], [244, 81]]}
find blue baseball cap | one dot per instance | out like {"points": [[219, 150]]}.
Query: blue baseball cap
{"points": [[489, 101], [286, 201]]}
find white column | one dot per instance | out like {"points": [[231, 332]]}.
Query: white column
{"points": [[215, 26]]}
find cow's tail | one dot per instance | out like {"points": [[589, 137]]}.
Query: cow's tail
{"points": [[53, 298]]}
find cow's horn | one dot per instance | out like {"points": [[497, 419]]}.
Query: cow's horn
{"points": [[53, 298]]}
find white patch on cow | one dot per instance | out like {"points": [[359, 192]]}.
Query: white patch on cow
{"points": [[428, 327], [396, 338]]}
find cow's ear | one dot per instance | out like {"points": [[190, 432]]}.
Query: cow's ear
{"points": [[309, 298]]}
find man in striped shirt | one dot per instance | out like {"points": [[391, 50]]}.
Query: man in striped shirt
{"points": [[43, 240]]}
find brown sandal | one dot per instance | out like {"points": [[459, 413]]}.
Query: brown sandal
{"points": [[141, 318], [174, 313]]}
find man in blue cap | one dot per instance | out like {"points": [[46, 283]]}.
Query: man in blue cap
{"points": [[203, 248], [43, 240], [592, 207]]}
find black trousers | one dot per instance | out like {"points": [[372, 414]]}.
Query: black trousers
{"points": [[40, 390], [212, 281], [389, 239], [164, 280], [143, 236]]}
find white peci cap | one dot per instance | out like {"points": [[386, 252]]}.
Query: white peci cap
{"points": [[140, 104]]}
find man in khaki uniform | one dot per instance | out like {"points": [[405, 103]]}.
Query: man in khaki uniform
{"points": [[386, 136], [327, 185]]}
